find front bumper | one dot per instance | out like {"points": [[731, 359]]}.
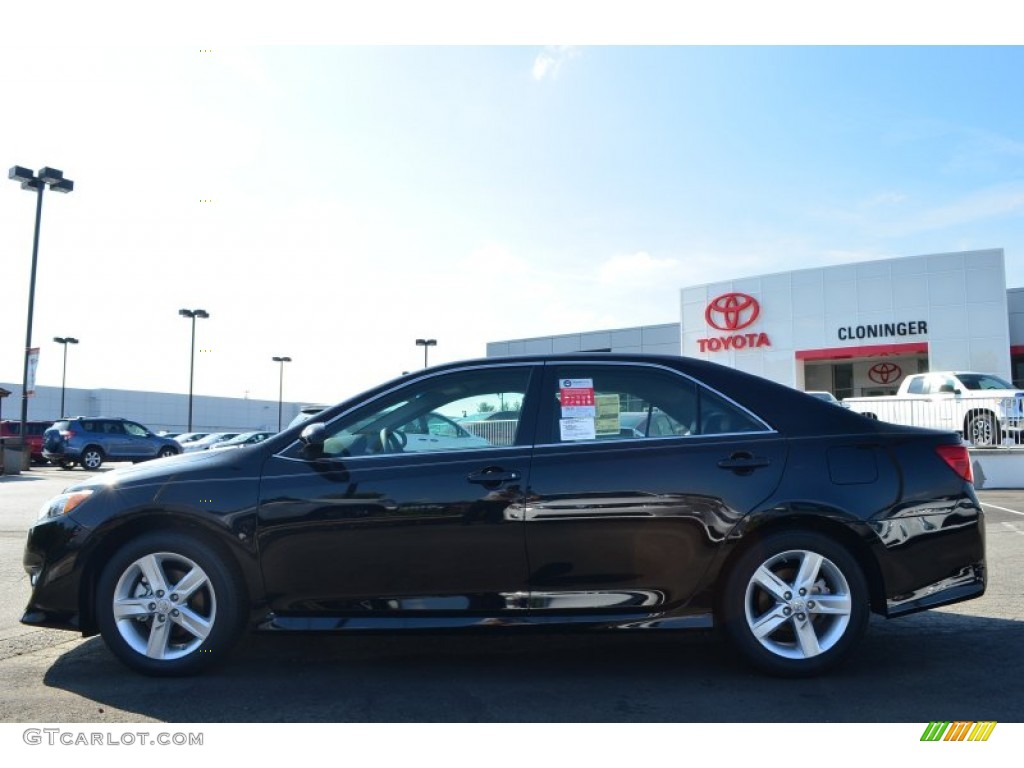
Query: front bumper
{"points": [[51, 560]]}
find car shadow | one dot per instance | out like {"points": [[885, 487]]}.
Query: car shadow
{"points": [[19, 478], [931, 666]]}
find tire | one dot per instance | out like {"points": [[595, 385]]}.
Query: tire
{"points": [[983, 430], [778, 628], [156, 630], [165, 452], [91, 458]]}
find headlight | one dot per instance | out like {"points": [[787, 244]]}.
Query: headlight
{"points": [[63, 504]]}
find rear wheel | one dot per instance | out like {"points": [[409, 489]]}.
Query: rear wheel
{"points": [[168, 604], [91, 458], [983, 430], [795, 604]]}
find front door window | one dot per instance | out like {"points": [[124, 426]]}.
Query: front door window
{"points": [[446, 413]]}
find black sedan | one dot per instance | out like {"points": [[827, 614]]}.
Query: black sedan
{"points": [[776, 517]]}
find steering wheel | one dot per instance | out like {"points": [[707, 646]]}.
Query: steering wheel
{"points": [[392, 440]]}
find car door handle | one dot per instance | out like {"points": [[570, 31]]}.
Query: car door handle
{"points": [[743, 463], [493, 476]]}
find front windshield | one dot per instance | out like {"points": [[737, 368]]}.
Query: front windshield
{"points": [[978, 381]]}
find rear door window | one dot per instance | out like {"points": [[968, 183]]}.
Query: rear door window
{"points": [[599, 402]]}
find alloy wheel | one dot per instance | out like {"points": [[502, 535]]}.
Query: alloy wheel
{"points": [[798, 604], [164, 606]]}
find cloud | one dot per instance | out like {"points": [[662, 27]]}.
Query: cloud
{"points": [[884, 200], [549, 61], [981, 205], [634, 269], [986, 152]]}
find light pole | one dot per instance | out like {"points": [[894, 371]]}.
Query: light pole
{"points": [[54, 179], [280, 388], [192, 313], [64, 341], [426, 344]]}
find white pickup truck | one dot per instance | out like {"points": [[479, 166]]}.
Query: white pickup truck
{"points": [[986, 409]]}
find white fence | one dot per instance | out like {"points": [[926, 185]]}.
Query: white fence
{"points": [[974, 416], [498, 432]]}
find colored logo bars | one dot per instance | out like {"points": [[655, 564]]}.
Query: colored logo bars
{"points": [[958, 731]]}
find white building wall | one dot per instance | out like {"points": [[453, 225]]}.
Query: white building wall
{"points": [[647, 339], [1015, 304], [155, 410]]}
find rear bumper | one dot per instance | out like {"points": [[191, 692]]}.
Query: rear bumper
{"points": [[964, 586], [931, 553], [61, 455]]}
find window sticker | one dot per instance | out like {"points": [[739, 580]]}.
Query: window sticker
{"points": [[577, 398], [577, 429], [607, 414]]}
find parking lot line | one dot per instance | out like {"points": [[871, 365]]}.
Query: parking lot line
{"points": [[1002, 509]]}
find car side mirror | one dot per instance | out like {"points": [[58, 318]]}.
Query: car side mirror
{"points": [[314, 435]]}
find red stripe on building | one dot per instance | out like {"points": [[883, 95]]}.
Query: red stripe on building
{"points": [[872, 350]]}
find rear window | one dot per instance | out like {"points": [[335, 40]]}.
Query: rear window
{"points": [[916, 386]]}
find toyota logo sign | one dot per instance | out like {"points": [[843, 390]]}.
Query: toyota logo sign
{"points": [[732, 311], [884, 373]]}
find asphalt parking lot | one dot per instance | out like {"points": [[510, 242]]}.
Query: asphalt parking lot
{"points": [[961, 662]]}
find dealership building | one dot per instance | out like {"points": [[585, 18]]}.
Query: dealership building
{"points": [[853, 330]]}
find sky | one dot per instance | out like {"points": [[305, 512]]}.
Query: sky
{"points": [[332, 199]]}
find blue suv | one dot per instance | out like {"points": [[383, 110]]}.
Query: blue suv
{"points": [[91, 441]]}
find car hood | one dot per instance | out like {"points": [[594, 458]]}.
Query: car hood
{"points": [[161, 470]]}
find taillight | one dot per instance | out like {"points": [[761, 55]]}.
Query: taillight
{"points": [[958, 459], [67, 434]]}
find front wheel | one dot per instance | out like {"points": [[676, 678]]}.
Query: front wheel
{"points": [[166, 451], [795, 604], [169, 604]]}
